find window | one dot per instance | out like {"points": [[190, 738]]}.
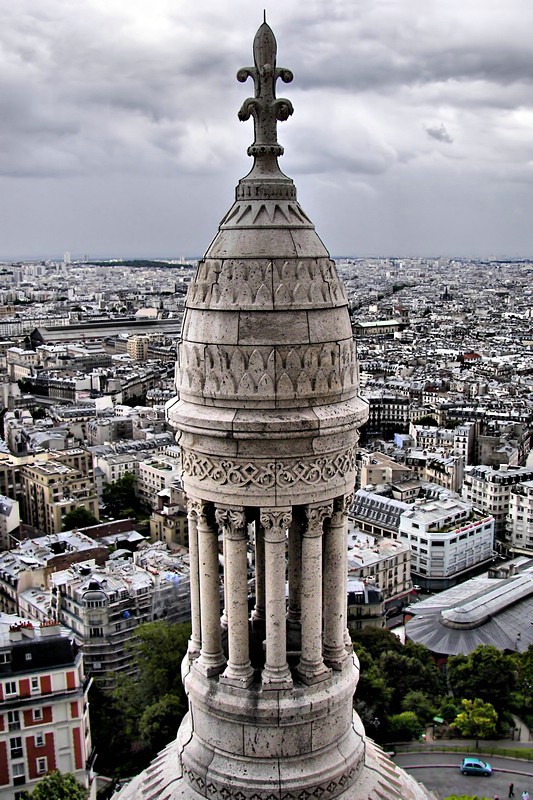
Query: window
{"points": [[39, 740], [96, 633], [37, 714], [18, 777], [5, 658], [42, 765], [11, 687], [35, 687], [15, 745], [13, 720], [28, 656]]}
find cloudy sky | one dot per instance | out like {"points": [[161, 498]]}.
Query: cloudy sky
{"points": [[412, 132]]}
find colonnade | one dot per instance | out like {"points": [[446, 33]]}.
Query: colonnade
{"points": [[314, 539]]}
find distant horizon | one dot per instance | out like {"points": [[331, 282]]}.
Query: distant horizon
{"points": [[392, 256], [411, 130]]}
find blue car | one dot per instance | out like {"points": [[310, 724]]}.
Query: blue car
{"points": [[475, 766]]}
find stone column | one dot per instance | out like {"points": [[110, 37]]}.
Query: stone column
{"points": [[294, 576], [335, 600], [239, 671], [311, 668], [348, 500], [211, 660], [258, 614], [276, 672], [195, 642]]}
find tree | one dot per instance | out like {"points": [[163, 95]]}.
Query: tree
{"points": [[404, 727], [58, 786], [419, 704], [477, 719], [149, 704], [79, 518], [428, 421], [120, 499], [485, 673]]}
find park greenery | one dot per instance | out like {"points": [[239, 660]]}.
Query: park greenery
{"points": [[120, 499], [79, 517], [58, 786], [401, 689], [149, 703]]}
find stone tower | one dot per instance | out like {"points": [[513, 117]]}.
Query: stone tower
{"points": [[268, 415]]}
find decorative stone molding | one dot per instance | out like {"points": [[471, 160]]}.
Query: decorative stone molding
{"points": [[275, 523], [327, 790], [232, 521], [316, 515], [236, 372], [263, 284], [282, 474]]}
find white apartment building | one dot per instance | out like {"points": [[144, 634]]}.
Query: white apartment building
{"points": [[448, 541], [519, 530], [9, 522], [155, 474], [385, 562], [489, 490]]}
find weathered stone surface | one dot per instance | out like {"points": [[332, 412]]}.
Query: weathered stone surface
{"points": [[267, 418]]}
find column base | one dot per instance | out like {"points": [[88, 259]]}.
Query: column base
{"points": [[210, 665], [240, 676], [193, 651], [312, 673], [336, 659], [276, 678]]}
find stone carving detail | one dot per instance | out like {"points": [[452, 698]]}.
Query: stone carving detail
{"points": [[238, 372], [276, 520], [285, 475], [321, 791], [231, 520], [315, 518], [230, 283]]}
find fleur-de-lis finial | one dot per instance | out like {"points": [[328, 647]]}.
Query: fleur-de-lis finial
{"points": [[265, 108]]}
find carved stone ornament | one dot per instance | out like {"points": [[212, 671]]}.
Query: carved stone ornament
{"points": [[315, 518], [265, 108], [266, 284], [284, 474], [276, 521], [198, 509], [302, 372], [231, 520]]}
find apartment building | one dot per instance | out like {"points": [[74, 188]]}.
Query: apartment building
{"points": [[448, 541], [489, 490], [102, 606], [9, 522], [154, 475], [383, 561], [519, 524], [51, 489], [168, 522], [44, 723]]}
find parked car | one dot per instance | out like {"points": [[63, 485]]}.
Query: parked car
{"points": [[475, 766]]}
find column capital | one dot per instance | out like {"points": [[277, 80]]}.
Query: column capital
{"points": [[197, 508], [315, 518], [275, 522], [341, 507], [232, 520]]}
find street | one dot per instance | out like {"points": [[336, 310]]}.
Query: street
{"points": [[440, 773]]}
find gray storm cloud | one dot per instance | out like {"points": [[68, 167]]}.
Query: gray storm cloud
{"points": [[119, 103]]}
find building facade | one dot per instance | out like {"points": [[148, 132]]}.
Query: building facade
{"points": [[44, 723]]}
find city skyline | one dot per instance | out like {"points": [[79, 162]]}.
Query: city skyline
{"points": [[119, 131]]}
